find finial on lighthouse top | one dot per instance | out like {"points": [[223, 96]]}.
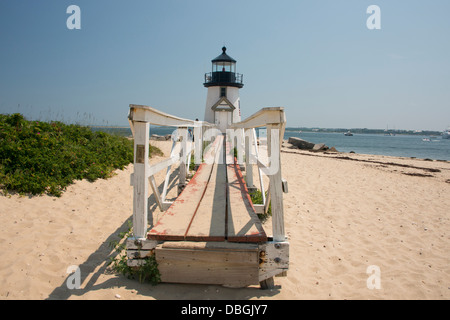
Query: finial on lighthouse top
{"points": [[224, 57]]}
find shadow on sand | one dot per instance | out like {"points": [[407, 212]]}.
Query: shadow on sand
{"points": [[96, 266]]}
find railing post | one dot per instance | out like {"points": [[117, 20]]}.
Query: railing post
{"points": [[275, 187], [248, 165], [198, 143], [240, 141], [140, 178], [183, 133]]}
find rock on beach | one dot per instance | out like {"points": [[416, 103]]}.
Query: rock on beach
{"points": [[297, 143], [300, 143]]}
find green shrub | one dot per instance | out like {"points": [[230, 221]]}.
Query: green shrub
{"points": [[45, 157], [256, 198], [147, 272]]}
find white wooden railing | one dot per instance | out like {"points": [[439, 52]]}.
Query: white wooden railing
{"points": [[274, 120], [141, 117]]}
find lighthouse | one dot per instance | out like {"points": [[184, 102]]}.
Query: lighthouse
{"points": [[223, 83]]}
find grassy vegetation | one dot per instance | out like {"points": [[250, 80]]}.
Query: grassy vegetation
{"points": [[147, 272], [256, 198], [45, 157]]}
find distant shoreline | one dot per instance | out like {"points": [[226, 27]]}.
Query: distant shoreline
{"points": [[367, 131], [326, 130]]}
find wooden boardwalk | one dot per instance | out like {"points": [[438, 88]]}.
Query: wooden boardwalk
{"points": [[210, 233], [214, 206]]}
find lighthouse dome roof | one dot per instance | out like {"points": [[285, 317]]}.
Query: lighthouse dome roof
{"points": [[223, 57]]}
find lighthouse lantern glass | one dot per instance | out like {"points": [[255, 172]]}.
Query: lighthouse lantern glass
{"points": [[223, 66]]}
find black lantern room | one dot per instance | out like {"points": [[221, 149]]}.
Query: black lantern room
{"points": [[223, 72]]}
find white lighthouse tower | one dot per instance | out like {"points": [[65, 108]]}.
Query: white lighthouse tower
{"points": [[223, 83]]}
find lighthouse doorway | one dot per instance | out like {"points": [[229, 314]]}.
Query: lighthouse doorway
{"points": [[223, 120]]}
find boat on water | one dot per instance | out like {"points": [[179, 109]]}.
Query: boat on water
{"points": [[348, 134], [426, 139], [446, 134], [389, 133]]}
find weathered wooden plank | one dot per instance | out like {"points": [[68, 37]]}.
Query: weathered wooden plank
{"points": [[140, 244], [173, 154], [156, 117], [260, 174], [198, 143], [206, 266], [276, 185], [210, 245], [267, 200], [259, 208], [182, 169], [243, 224], [214, 150], [154, 169], [208, 223], [201, 256], [139, 254], [274, 259], [140, 177], [175, 221], [262, 118], [248, 151], [155, 190], [137, 249]]}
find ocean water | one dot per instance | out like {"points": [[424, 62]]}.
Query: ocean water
{"points": [[398, 145]]}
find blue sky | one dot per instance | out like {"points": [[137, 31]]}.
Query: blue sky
{"points": [[315, 58]]}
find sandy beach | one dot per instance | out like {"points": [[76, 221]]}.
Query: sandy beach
{"points": [[343, 213]]}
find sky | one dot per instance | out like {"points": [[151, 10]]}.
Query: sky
{"points": [[317, 59]]}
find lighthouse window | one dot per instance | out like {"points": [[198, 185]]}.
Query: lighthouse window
{"points": [[223, 67], [223, 92]]}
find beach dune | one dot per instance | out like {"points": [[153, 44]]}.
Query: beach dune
{"points": [[359, 227]]}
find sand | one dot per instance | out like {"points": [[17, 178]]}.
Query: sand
{"points": [[343, 214]]}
